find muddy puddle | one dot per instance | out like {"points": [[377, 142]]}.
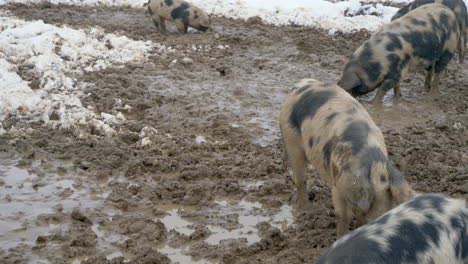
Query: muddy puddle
{"points": [[37, 205], [249, 215], [29, 195]]}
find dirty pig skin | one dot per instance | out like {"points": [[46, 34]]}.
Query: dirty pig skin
{"points": [[424, 39], [429, 229], [182, 13], [323, 125], [457, 6]]}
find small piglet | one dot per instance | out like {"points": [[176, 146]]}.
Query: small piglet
{"points": [[426, 38], [429, 229], [181, 12], [323, 125]]}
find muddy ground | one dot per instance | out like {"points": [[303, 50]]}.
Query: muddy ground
{"points": [[194, 173]]}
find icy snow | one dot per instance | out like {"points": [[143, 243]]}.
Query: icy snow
{"points": [[317, 13], [53, 53], [15, 93]]}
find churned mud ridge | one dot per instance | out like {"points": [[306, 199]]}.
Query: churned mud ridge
{"points": [[201, 128]]}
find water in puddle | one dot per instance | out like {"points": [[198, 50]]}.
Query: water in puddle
{"points": [[174, 221], [106, 242], [250, 214], [24, 196], [176, 255]]}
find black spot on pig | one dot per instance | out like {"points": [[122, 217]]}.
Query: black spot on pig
{"points": [[444, 19], [449, 3], [311, 142], [168, 2], [455, 223], [202, 28], [352, 252], [150, 11], [372, 155], [425, 202], [195, 14], [418, 22], [394, 43], [181, 12], [330, 117], [161, 4], [327, 149], [425, 44], [307, 106], [372, 68], [395, 67], [443, 61], [356, 134], [395, 175], [411, 239], [461, 246]]}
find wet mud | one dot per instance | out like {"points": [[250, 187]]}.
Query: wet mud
{"points": [[194, 173]]}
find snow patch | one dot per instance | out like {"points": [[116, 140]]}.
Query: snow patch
{"points": [[200, 139], [317, 13], [51, 55]]}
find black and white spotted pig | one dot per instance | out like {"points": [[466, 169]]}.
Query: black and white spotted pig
{"points": [[181, 12], [429, 229], [457, 6], [323, 125], [424, 39]]}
